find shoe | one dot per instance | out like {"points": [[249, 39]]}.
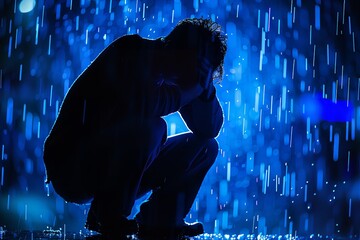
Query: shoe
{"points": [[178, 232], [119, 229], [191, 229]]}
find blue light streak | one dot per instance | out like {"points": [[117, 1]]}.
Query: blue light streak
{"points": [[304, 127]]}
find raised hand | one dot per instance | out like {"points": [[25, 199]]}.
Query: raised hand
{"points": [[205, 74]]}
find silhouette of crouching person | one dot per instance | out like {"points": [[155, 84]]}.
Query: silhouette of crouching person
{"points": [[109, 143]]}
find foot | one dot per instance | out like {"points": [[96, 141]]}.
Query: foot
{"points": [[191, 229], [101, 237], [120, 229], [178, 232]]}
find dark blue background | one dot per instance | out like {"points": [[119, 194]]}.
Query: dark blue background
{"points": [[289, 155]]}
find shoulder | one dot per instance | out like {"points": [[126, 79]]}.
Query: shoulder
{"points": [[128, 40], [123, 44]]}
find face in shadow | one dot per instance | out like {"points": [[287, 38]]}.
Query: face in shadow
{"points": [[186, 65]]}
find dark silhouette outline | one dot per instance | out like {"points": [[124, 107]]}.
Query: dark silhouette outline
{"points": [[109, 143]]}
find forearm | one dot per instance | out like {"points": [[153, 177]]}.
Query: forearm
{"points": [[189, 94], [203, 117]]}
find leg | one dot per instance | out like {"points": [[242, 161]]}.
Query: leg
{"points": [[175, 178], [126, 151]]}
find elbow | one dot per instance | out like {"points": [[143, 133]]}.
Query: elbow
{"points": [[207, 135], [215, 129], [215, 133]]}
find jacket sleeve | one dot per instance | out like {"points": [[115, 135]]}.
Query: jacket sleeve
{"points": [[166, 99], [203, 117]]}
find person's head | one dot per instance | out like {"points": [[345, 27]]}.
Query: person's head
{"points": [[204, 37]]}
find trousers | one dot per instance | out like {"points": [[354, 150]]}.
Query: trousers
{"points": [[115, 167]]}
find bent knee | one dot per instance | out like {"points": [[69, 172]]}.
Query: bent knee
{"points": [[210, 147]]}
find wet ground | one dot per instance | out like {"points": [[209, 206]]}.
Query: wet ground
{"points": [[57, 234]]}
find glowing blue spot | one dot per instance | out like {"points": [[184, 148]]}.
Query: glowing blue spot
{"points": [[279, 24], [263, 40], [9, 47], [20, 72], [262, 171], [295, 53], [2, 176], [212, 4], [196, 5], [71, 39], [38, 130], [277, 61], [77, 23], [267, 122], [225, 220], [349, 208], [291, 227], [269, 151], [24, 112], [26, 6], [260, 140], [58, 11], [336, 147], [293, 184], [57, 105], [51, 94], [286, 139], [44, 107], [289, 20], [287, 184], [334, 87], [228, 171], [284, 68], [283, 95], [317, 17], [9, 111], [358, 118], [236, 208], [29, 166], [2, 152], [262, 225], [177, 8], [223, 194], [308, 127], [28, 126], [320, 178], [296, 35], [302, 86], [280, 44]]}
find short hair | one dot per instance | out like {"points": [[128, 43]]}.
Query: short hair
{"points": [[203, 31]]}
